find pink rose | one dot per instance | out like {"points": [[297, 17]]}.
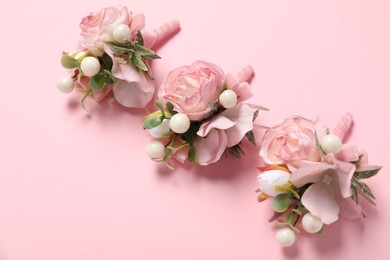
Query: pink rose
{"points": [[292, 140], [191, 88], [97, 27]]}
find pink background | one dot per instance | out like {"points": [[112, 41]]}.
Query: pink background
{"points": [[77, 185]]}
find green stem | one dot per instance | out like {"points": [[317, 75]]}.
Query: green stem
{"points": [[181, 147], [84, 97], [169, 151]]}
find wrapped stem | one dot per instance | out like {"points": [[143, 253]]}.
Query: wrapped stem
{"points": [[159, 35], [343, 126], [245, 74]]}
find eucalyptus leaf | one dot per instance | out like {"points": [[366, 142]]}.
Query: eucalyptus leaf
{"points": [[143, 51], [69, 62], [97, 82], [361, 186], [251, 137], [236, 150], [281, 202], [140, 38], [153, 56], [366, 174], [255, 115], [139, 62]]}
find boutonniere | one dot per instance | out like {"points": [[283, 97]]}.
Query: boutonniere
{"points": [[201, 114], [312, 176], [113, 57]]}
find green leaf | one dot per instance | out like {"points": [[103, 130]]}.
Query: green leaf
{"points": [[366, 174], [255, 115], [281, 202], [119, 48], [170, 108], [355, 195], [139, 62], [106, 62], [97, 82], [108, 77], [160, 106], [251, 137], [192, 154], [69, 62], [140, 38], [143, 51], [361, 186], [236, 150], [153, 56], [190, 136], [152, 122]]}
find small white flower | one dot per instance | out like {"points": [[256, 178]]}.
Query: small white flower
{"points": [[160, 130], [270, 179]]}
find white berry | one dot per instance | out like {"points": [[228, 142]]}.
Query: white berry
{"points": [[228, 98], [331, 144], [155, 150], [90, 66], [311, 223], [65, 84], [285, 237], [121, 33], [179, 123]]}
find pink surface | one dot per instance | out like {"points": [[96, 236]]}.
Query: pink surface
{"points": [[77, 185]]}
